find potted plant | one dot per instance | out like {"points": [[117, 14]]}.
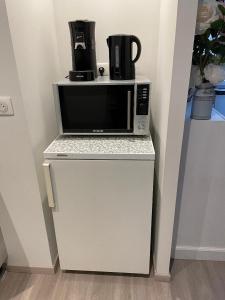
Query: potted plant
{"points": [[208, 56]]}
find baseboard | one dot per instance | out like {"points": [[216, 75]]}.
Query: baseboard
{"points": [[200, 253], [163, 278], [34, 270], [158, 276], [3, 253], [56, 264]]}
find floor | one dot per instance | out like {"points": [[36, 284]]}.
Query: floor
{"points": [[191, 280]]}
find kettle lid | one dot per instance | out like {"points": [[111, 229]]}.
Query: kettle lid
{"points": [[81, 21], [120, 35]]}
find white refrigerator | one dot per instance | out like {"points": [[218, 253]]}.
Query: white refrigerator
{"points": [[100, 191]]}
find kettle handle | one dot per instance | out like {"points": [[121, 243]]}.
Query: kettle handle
{"points": [[136, 40]]}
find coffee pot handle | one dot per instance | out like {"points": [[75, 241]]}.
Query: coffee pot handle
{"points": [[136, 40]]}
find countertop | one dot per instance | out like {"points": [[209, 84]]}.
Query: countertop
{"points": [[72, 147], [103, 80]]}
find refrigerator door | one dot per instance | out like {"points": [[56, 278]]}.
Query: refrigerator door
{"points": [[102, 214]]}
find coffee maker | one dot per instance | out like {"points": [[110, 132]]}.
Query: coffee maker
{"points": [[122, 65], [82, 34]]}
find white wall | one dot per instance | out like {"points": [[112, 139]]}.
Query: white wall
{"points": [[21, 214], [34, 44], [33, 37], [176, 33], [32, 30], [3, 253], [166, 58], [140, 18], [200, 227]]}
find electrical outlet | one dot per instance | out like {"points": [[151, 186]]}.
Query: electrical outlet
{"points": [[106, 68], [6, 108]]}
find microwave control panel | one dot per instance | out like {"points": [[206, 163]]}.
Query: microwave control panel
{"points": [[142, 99]]}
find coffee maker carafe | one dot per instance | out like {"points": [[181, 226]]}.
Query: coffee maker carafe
{"points": [[122, 65], [82, 34]]}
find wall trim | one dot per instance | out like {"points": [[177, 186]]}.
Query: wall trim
{"points": [[158, 276], [200, 253], [162, 278], [34, 270], [56, 263]]}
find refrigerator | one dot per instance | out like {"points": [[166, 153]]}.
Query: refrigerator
{"points": [[100, 192]]}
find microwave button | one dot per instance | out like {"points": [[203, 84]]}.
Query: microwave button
{"points": [[142, 108], [141, 125]]}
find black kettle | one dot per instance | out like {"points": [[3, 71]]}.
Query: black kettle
{"points": [[122, 65]]}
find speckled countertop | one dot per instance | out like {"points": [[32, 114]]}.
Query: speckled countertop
{"points": [[71, 147]]}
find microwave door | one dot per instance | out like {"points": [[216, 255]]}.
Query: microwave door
{"points": [[96, 109], [120, 111]]}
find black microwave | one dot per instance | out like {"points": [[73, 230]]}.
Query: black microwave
{"points": [[103, 107]]}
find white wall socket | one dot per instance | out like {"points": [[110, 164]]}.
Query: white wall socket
{"points": [[105, 66], [6, 108]]}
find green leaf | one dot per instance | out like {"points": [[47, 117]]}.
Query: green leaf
{"points": [[218, 49], [222, 60], [218, 25], [222, 9], [222, 38]]}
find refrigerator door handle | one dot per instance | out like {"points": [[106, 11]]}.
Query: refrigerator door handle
{"points": [[48, 183]]}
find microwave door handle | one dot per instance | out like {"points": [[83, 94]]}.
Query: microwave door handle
{"points": [[128, 108]]}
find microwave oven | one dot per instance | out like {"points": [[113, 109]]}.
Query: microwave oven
{"points": [[103, 107]]}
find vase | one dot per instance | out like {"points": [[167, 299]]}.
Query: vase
{"points": [[203, 101]]}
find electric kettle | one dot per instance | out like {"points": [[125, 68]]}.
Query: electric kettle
{"points": [[122, 64]]}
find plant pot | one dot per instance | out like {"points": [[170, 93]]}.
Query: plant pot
{"points": [[203, 101]]}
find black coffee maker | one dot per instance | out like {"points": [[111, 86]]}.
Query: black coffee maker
{"points": [[82, 34], [122, 65]]}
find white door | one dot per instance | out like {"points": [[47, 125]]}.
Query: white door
{"points": [[102, 214]]}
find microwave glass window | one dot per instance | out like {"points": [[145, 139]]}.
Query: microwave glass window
{"points": [[88, 108]]}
